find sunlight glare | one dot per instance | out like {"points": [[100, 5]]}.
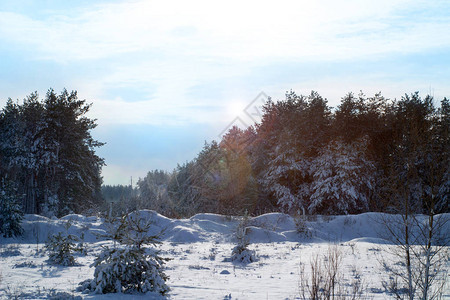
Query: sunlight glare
{"points": [[235, 108]]}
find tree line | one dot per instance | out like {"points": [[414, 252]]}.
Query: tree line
{"points": [[47, 154], [304, 157]]}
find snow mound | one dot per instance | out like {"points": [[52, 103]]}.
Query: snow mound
{"points": [[371, 240], [295, 236], [210, 226], [92, 219], [267, 228], [274, 222], [181, 234], [40, 231], [262, 235], [32, 218], [75, 218], [212, 217], [158, 220]]}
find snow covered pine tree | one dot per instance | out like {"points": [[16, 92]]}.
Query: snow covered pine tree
{"points": [[61, 248], [10, 212], [241, 253], [128, 266]]}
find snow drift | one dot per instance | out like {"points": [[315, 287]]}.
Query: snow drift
{"points": [[267, 228]]}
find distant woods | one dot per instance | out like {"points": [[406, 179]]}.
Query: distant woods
{"points": [[48, 155], [368, 154]]}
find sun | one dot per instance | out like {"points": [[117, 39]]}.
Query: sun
{"points": [[235, 108]]}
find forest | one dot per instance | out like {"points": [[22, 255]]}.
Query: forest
{"points": [[305, 157], [47, 155]]}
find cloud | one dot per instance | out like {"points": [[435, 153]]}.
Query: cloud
{"points": [[151, 112], [242, 30]]}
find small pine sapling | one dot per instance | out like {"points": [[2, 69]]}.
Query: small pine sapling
{"points": [[301, 224], [241, 253], [129, 266], [61, 248]]}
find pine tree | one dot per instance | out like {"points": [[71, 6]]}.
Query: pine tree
{"points": [[46, 148], [297, 129], [241, 253], [153, 192], [11, 213], [73, 171], [61, 248], [184, 191], [212, 177], [10, 141], [343, 179], [240, 189], [33, 150], [129, 266]]}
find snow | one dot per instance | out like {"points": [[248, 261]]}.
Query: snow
{"points": [[183, 234], [200, 248]]}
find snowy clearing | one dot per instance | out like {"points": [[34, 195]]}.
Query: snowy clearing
{"points": [[200, 249]]}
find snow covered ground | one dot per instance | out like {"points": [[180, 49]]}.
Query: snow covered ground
{"points": [[200, 249]]}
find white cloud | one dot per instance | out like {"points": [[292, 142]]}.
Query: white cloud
{"points": [[154, 112], [244, 30]]}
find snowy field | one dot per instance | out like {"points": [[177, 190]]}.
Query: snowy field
{"points": [[200, 249]]}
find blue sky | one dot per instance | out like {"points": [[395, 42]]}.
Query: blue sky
{"points": [[164, 76]]}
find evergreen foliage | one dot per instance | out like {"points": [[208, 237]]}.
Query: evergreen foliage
{"points": [[129, 266], [61, 248], [153, 192], [343, 179], [302, 156], [11, 213], [46, 148], [241, 253], [183, 190]]}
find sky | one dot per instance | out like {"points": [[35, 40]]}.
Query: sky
{"points": [[163, 77]]}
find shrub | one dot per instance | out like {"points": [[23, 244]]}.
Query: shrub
{"points": [[327, 280], [301, 225]]}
